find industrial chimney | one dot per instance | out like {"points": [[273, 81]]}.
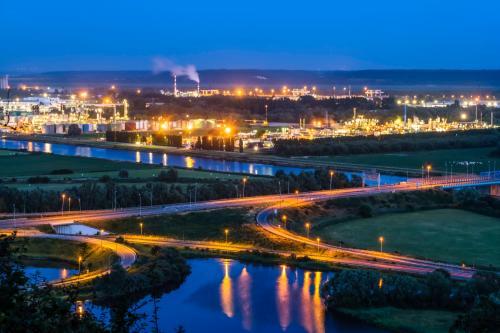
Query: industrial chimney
{"points": [[175, 85]]}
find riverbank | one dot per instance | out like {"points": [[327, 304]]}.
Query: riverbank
{"points": [[403, 320], [302, 162], [44, 250]]}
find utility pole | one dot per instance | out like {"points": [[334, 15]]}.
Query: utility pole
{"points": [[140, 205], [14, 210]]}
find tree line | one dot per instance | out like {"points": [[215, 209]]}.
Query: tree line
{"points": [[155, 138], [478, 298], [387, 143], [107, 194]]}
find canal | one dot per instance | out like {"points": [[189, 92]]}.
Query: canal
{"points": [[181, 161]]}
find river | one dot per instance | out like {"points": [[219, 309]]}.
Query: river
{"points": [[229, 296], [170, 160], [51, 273]]}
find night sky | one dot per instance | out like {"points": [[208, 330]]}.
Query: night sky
{"points": [[385, 34]]}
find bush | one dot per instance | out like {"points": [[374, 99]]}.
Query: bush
{"points": [[38, 180], [105, 179], [61, 172], [365, 211], [123, 174], [168, 176], [74, 130]]}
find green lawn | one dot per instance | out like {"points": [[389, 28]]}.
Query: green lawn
{"points": [[27, 165], [194, 226], [43, 164], [406, 320], [66, 251], [445, 234], [205, 226], [414, 160]]}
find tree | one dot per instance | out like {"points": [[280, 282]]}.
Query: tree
{"points": [[74, 130], [123, 173], [168, 176], [45, 309], [365, 211]]}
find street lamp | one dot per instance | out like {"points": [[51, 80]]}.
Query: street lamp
{"points": [[63, 196], [141, 225], [308, 227], [101, 233], [244, 183], [226, 231], [381, 240], [69, 204], [140, 205], [283, 218], [317, 242], [297, 195], [79, 264], [429, 167], [331, 178]]}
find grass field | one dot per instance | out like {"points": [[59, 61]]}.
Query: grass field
{"points": [[445, 234], [414, 160], [66, 251], [406, 320], [206, 226], [43, 164], [27, 165]]}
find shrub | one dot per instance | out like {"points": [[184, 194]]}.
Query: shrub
{"points": [[123, 174]]}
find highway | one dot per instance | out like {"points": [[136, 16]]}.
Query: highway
{"points": [[347, 256]]}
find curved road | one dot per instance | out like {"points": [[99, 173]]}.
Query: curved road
{"points": [[126, 254], [264, 218]]}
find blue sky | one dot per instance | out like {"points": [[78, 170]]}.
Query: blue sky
{"points": [[126, 34]]}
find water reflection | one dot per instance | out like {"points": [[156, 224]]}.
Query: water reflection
{"points": [[226, 292], [153, 158], [245, 298], [189, 162], [283, 299], [228, 296], [300, 293]]}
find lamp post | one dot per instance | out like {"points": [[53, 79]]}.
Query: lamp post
{"points": [[226, 232], [63, 196], [141, 225], [331, 178], [79, 264], [69, 204], [308, 227], [317, 243], [244, 183], [140, 205], [381, 240], [297, 195], [429, 167], [283, 218], [101, 233]]}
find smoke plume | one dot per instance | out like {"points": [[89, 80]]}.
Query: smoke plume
{"points": [[164, 64]]}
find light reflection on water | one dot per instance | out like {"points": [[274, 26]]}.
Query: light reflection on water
{"points": [[229, 296], [35, 273], [149, 157]]}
